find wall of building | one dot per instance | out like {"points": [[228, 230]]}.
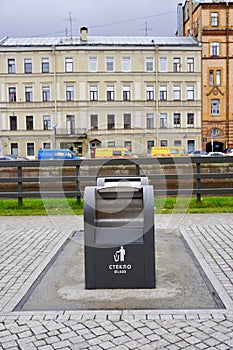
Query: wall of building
{"points": [[69, 105]]}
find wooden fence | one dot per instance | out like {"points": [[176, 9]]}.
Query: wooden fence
{"points": [[186, 176]]}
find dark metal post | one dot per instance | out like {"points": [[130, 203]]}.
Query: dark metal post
{"points": [[77, 183], [20, 185], [198, 182]]}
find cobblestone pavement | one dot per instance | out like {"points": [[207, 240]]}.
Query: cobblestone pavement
{"points": [[28, 244]]}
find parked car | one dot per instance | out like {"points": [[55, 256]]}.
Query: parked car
{"points": [[6, 158], [229, 151], [216, 154], [199, 153], [16, 157], [56, 154]]}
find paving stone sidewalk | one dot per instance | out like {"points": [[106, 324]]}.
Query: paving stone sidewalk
{"points": [[29, 243]]}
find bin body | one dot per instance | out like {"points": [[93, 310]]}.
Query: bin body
{"points": [[119, 234]]}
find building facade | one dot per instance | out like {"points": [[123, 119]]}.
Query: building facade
{"points": [[87, 91], [211, 23]]}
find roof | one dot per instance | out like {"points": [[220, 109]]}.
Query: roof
{"points": [[97, 41]]}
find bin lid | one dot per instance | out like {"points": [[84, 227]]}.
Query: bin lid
{"points": [[121, 184]]}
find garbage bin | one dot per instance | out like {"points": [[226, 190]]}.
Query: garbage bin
{"points": [[119, 233]]}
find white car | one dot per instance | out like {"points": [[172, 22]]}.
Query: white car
{"points": [[216, 154]]}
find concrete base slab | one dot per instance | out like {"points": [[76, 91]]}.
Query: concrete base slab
{"points": [[180, 283]]}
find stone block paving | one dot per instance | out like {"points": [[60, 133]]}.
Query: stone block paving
{"points": [[29, 243]]}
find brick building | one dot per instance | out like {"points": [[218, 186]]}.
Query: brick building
{"points": [[211, 23]]}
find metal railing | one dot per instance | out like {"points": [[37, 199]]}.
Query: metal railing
{"points": [[186, 176]]}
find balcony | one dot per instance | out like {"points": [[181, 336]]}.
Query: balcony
{"points": [[81, 132]]}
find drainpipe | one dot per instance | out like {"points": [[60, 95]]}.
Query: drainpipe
{"points": [[55, 96], [157, 92], [227, 75]]}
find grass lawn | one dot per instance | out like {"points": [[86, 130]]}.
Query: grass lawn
{"points": [[70, 206]]}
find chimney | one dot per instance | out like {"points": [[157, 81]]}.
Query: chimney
{"points": [[83, 32], [179, 20]]}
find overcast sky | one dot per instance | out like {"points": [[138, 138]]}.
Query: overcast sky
{"points": [[102, 17]]}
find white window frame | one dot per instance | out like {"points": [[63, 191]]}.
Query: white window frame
{"points": [[149, 64], [126, 64], [93, 93], [69, 63], [69, 93], [163, 64], [163, 120], [215, 107], [110, 64], [215, 49], [190, 92], [93, 64], [176, 92]]}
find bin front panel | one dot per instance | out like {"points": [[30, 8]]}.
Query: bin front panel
{"points": [[120, 267]]}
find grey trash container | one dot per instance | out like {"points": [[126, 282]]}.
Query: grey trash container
{"points": [[119, 233]]}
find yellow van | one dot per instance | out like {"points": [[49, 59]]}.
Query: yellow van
{"points": [[168, 151], [111, 152]]}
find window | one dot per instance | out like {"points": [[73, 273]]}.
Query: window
{"points": [[218, 77], [191, 145], [150, 92], [177, 143], [111, 121], [190, 64], [150, 121], [163, 143], [214, 49], [93, 93], [163, 120], [190, 120], [109, 64], [92, 64], [111, 144], [13, 122], [126, 64], [110, 93], [11, 66], [94, 122], [46, 145], [28, 65], [70, 124], [14, 149], [149, 64], [176, 92], [176, 120], [29, 122], [190, 92], [176, 64], [28, 94], [12, 94], [45, 93], [149, 145], [69, 93], [47, 122], [68, 65], [127, 121], [215, 107], [45, 65], [128, 145], [30, 149], [126, 93], [214, 19], [211, 77], [163, 92], [163, 64]]}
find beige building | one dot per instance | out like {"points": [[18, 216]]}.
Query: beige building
{"points": [[211, 22], [91, 91]]}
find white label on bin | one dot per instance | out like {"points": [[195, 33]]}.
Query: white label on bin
{"points": [[119, 256]]}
